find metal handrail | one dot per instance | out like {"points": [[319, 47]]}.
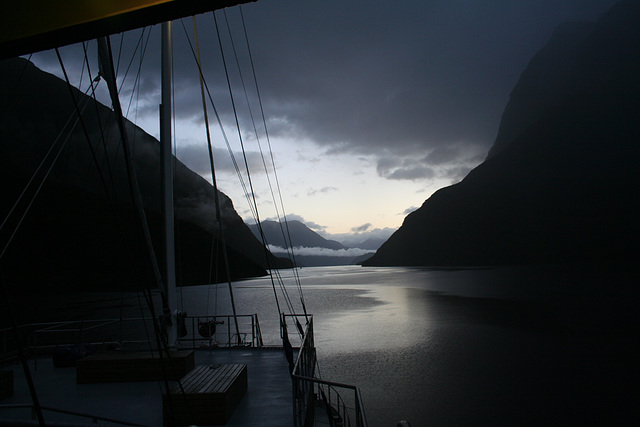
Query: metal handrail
{"points": [[233, 339], [49, 335], [94, 418], [361, 421], [305, 383]]}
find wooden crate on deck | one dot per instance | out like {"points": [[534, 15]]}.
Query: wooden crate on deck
{"points": [[208, 396], [138, 366]]}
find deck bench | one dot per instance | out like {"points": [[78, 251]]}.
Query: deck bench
{"points": [[208, 396], [6, 384], [129, 367]]}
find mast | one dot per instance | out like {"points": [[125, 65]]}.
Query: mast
{"points": [[167, 186]]}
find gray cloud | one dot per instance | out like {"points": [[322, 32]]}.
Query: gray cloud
{"points": [[374, 78], [398, 167], [362, 228], [196, 157], [451, 162], [358, 76], [323, 190], [293, 217], [408, 210], [354, 239], [317, 251], [358, 234]]}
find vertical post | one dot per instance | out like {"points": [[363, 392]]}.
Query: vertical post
{"points": [[167, 184]]}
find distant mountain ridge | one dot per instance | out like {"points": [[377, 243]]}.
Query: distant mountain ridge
{"points": [[309, 248], [561, 182], [301, 235]]}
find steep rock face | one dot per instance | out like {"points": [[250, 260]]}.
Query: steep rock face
{"points": [[81, 231], [562, 181]]}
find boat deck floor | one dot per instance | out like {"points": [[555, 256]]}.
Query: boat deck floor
{"points": [[267, 402]]}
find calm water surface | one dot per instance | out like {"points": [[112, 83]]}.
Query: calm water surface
{"points": [[503, 346], [525, 345]]}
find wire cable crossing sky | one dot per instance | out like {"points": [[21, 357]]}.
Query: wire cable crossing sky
{"points": [[370, 106]]}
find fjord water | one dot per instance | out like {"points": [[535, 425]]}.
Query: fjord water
{"points": [[511, 345], [529, 345]]}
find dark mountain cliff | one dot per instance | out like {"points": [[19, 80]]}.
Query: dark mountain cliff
{"points": [[561, 182], [81, 232]]}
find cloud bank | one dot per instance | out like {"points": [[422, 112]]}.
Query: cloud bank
{"points": [[305, 251], [418, 86]]}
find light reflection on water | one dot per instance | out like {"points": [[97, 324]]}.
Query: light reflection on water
{"points": [[442, 347], [519, 345]]}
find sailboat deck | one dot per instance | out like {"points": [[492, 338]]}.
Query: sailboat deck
{"points": [[267, 401], [137, 366]]}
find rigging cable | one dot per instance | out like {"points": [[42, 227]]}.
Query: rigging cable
{"points": [[22, 356], [39, 187], [107, 68], [272, 271], [115, 213], [106, 58], [259, 225], [234, 162], [84, 128], [100, 127], [216, 195], [275, 171]]}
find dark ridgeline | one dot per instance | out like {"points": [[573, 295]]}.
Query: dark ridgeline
{"points": [[561, 182], [77, 237]]}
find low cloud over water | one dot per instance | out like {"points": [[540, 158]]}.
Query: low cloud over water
{"points": [[317, 251]]}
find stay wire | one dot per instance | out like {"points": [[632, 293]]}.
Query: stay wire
{"points": [[255, 130], [100, 126], [214, 181], [275, 171], [84, 128], [110, 202], [244, 87], [236, 167], [117, 218], [162, 345], [246, 163], [224, 133], [40, 185], [289, 253]]}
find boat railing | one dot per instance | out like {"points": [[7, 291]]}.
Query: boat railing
{"points": [[310, 392], [95, 419], [38, 338], [220, 331]]}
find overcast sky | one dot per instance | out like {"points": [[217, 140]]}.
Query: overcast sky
{"points": [[371, 106]]}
